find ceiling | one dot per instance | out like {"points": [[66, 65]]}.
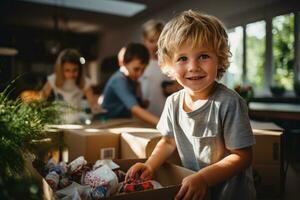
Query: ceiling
{"points": [[18, 13]]}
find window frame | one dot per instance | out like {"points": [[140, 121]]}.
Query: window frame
{"points": [[269, 60]]}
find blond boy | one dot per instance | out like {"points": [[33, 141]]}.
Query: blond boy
{"points": [[207, 122]]}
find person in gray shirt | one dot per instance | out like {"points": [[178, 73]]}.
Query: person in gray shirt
{"points": [[207, 122]]}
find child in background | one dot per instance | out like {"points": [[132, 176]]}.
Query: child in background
{"points": [[69, 84], [142, 102], [207, 122], [152, 81], [120, 93]]}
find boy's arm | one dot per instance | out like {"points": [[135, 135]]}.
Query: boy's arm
{"points": [[220, 171], [144, 115], [238, 160], [163, 150]]}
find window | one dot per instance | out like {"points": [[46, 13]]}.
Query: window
{"points": [[234, 74], [283, 50], [255, 55], [265, 54]]}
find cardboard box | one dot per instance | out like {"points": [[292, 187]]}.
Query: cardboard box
{"points": [[268, 147], [268, 179], [140, 142], [268, 159], [89, 140], [116, 123], [126, 142], [93, 144], [133, 142], [168, 175], [137, 142]]}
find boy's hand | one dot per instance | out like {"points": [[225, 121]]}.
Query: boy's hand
{"points": [[193, 187], [139, 170]]}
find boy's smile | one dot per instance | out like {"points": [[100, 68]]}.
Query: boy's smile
{"points": [[195, 69], [192, 78]]}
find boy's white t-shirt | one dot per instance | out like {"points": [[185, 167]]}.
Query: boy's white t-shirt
{"points": [[151, 81], [204, 136], [69, 93]]}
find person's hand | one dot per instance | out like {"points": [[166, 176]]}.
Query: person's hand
{"points": [[193, 187], [139, 170], [97, 109]]}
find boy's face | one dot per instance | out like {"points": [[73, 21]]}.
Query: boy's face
{"points": [[70, 70], [151, 44], [135, 69], [195, 69]]}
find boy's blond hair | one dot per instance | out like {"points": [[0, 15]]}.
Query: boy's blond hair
{"points": [[199, 30], [151, 27]]}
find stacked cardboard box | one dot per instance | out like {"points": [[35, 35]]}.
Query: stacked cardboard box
{"points": [[95, 141], [114, 143], [93, 144], [268, 160]]}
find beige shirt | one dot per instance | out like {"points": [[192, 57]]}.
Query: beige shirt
{"points": [[152, 91]]}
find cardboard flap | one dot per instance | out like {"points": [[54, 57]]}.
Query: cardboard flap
{"points": [[111, 123], [138, 144], [165, 174], [265, 126], [126, 164], [48, 193], [267, 132], [134, 130]]}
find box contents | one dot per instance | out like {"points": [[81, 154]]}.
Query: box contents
{"points": [[80, 180], [135, 185]]}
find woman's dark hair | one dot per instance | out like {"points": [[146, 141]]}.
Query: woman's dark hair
{"points": [[136, 51]]}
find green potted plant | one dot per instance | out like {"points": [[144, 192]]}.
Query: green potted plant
{"points": [[277, 86], [277, 90], [20, 124]]}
